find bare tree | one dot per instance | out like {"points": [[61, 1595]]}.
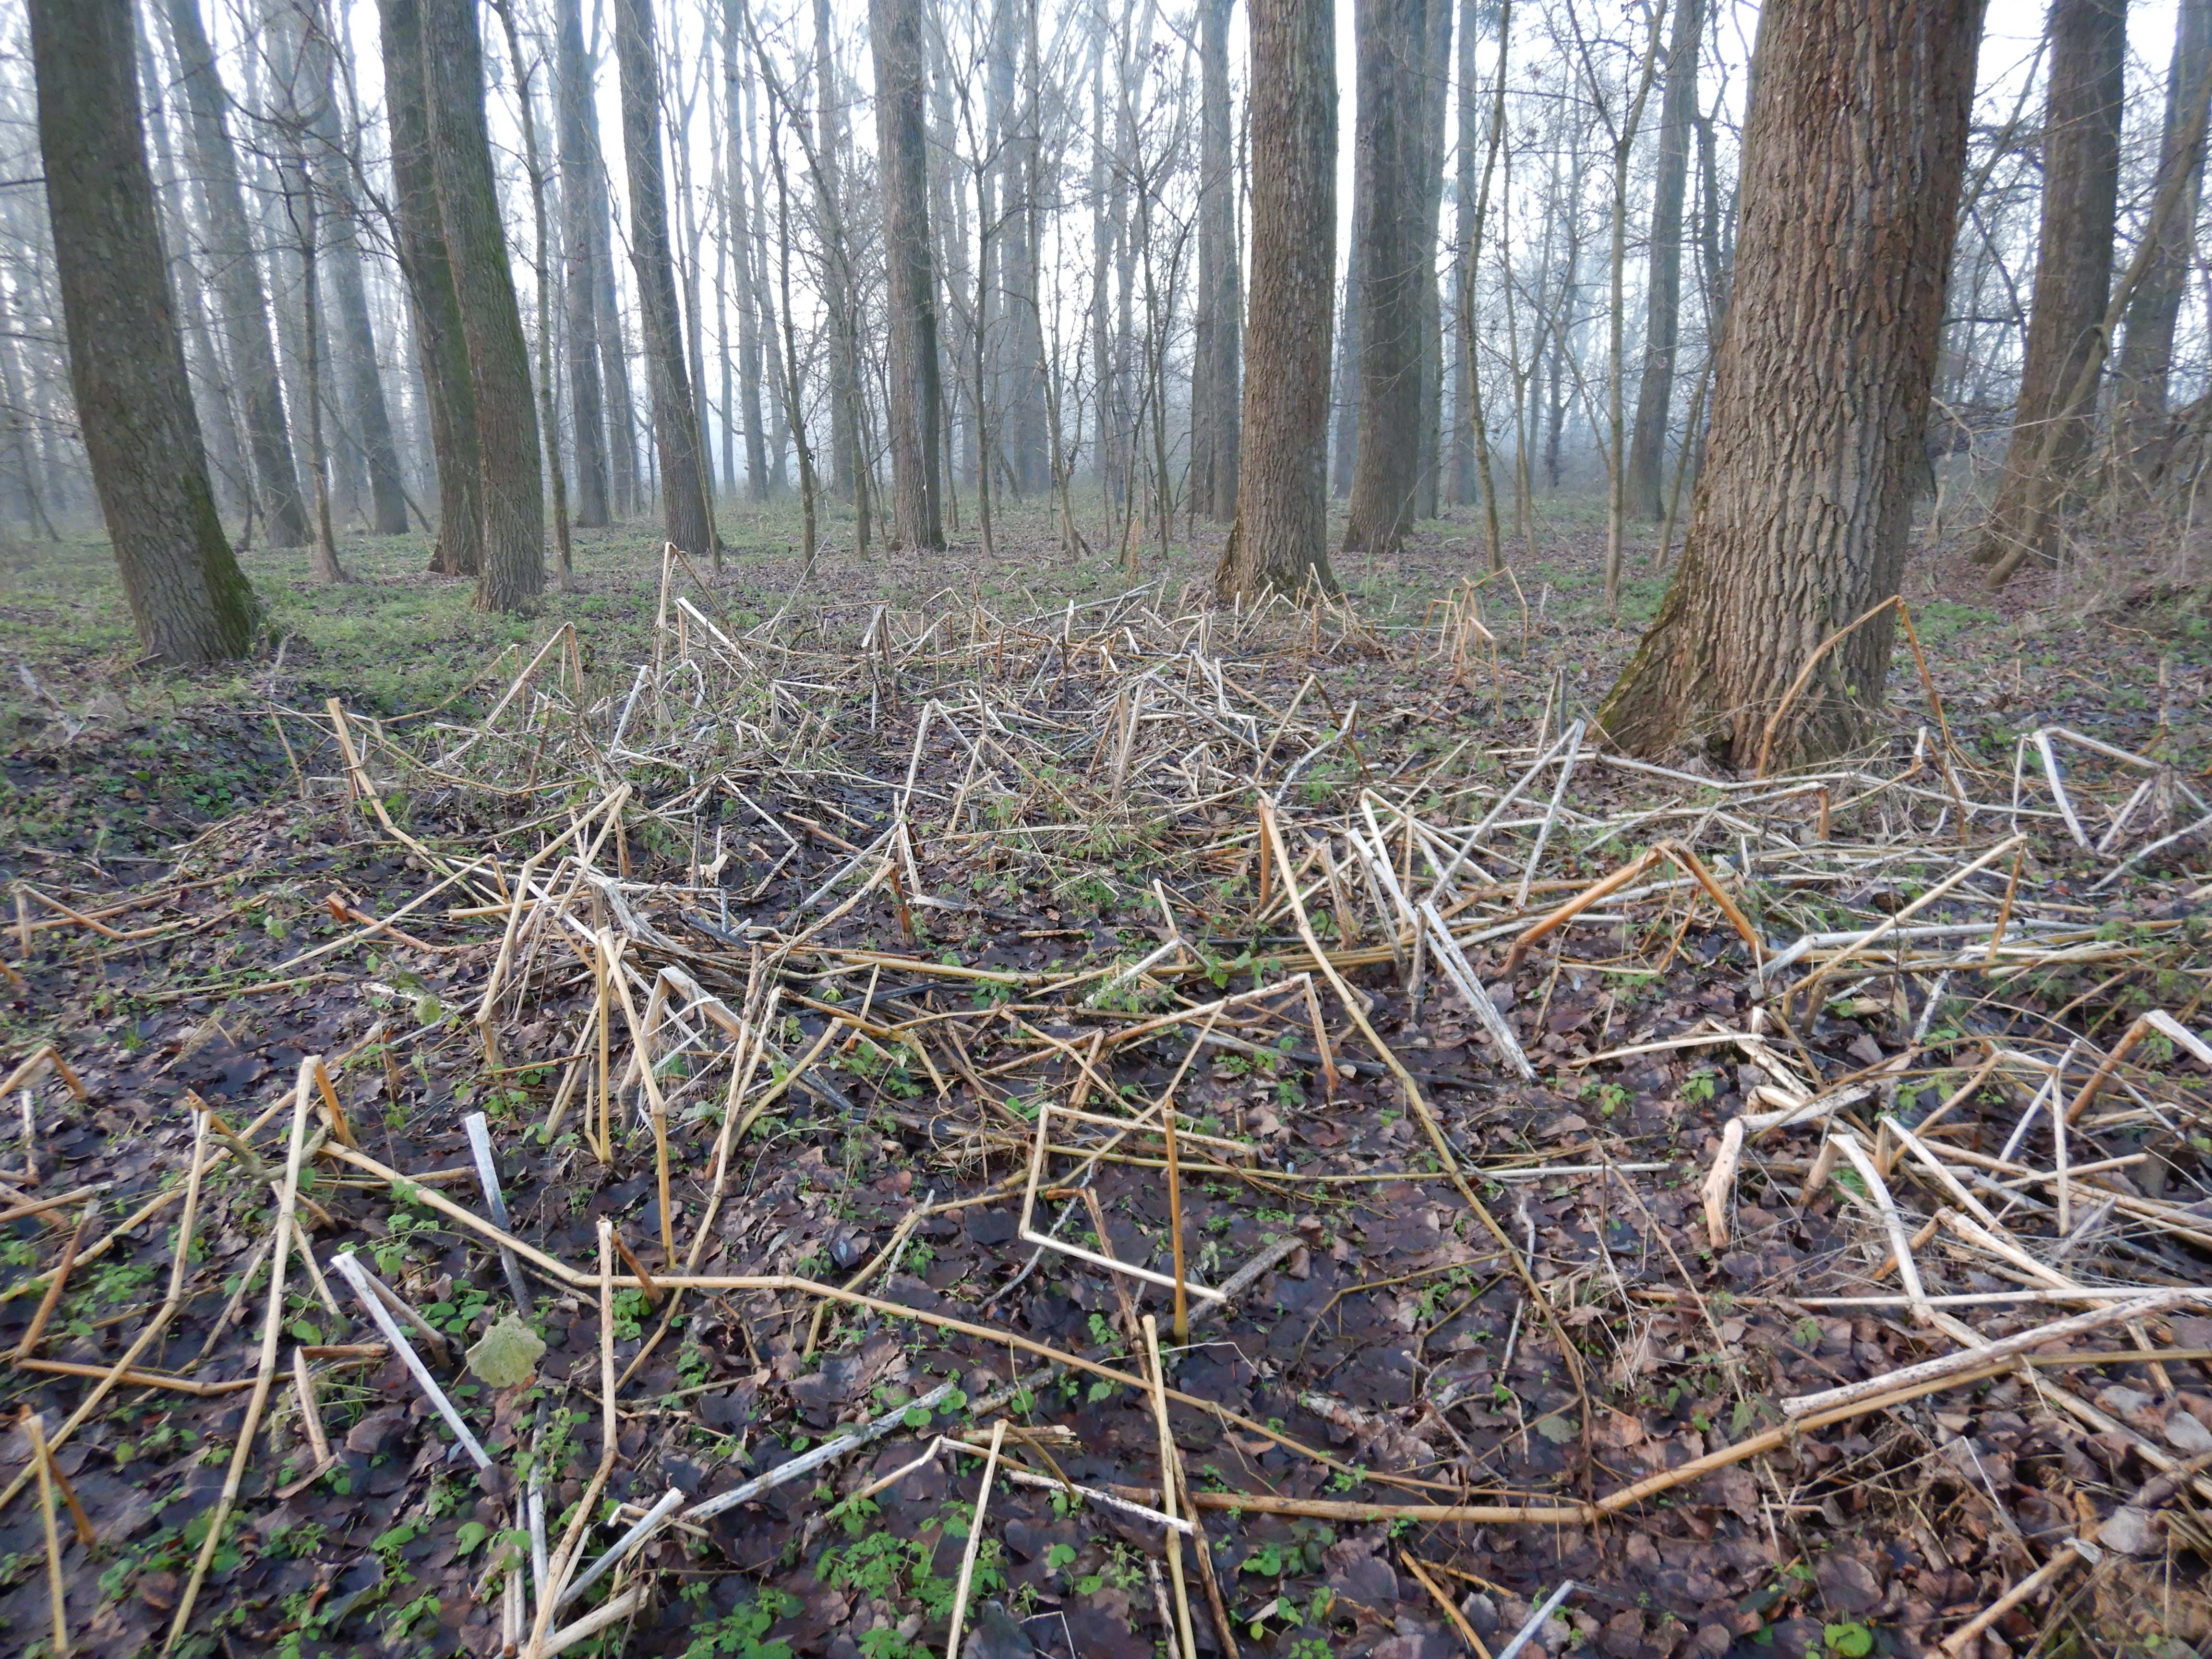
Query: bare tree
{"points": [[189, 599], [1391, 36], [685, 509], [1662, 304], [1281, 539], [579, 163], [2073, 272], [1823, 377], [916, 397], [511, 486], [2142, 370], [442, 351], [238, 280], [1214, 393]]}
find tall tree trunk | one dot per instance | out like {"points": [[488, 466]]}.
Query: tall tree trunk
{"points": [[512, 487], [189, 599], [442, 351], [686, 510], [238, 281], [915, 393], [548, 424], [352, 330], [1343, 449], [1391, 37], [1459, 474], [1280, 539], [579, 164], [836, 298], [2141, 371], [1026, 443], [1216, 397], [218, 419], [1821, 400], [752, 273], [1663, 313], [2073, 271], [1435, 83]]}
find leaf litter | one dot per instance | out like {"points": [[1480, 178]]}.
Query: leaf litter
{"points": [[1308, 1156]]}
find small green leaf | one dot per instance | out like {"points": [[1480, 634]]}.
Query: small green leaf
{"points": [[469, 1534], [1851, 1641], [916, 1417], [1555, 1429]]}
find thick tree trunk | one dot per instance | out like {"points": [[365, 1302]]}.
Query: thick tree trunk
{"points": [[580, 162], [685, 506], [187, 596], [2073, 271], [1387, 221], [915, 395], [512, 487], [1216, 397], [2141, 371], [1280, 539], [442, 352], [238, 282], [1851, 164], [1663, 313]]}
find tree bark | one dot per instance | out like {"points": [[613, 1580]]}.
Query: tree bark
{"points": [[750, 275], [1458, 477], [1280, 539], [684, 509], [511, 483], [238, 282], [1662, 310], [442, 352], [1851, 164], [189, 599], [1391, 35], [1215, 393], [915, 393], [580, 162], [2073, 269], [2145, 363]]}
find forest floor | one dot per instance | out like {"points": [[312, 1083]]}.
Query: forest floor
{"points": [[922, 886]]}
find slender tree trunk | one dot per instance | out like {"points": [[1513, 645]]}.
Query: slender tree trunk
{"points": [[794, 404], [548, 424], [1616, 442], [300, 201], [837, 299], [1280, 539], [1820, 398], [1475, 207], [238, 281], [738, 182], [1459, 478], [579, 163], [2073, 271], [218, 419], [1435, 83], [1216, 397], [362, 378], [1662, 314], [189, 599], [911, 279], [1391, 36], [2145, 366], [442, 352], [685, 509], [512, 488], [1344, 448]]}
